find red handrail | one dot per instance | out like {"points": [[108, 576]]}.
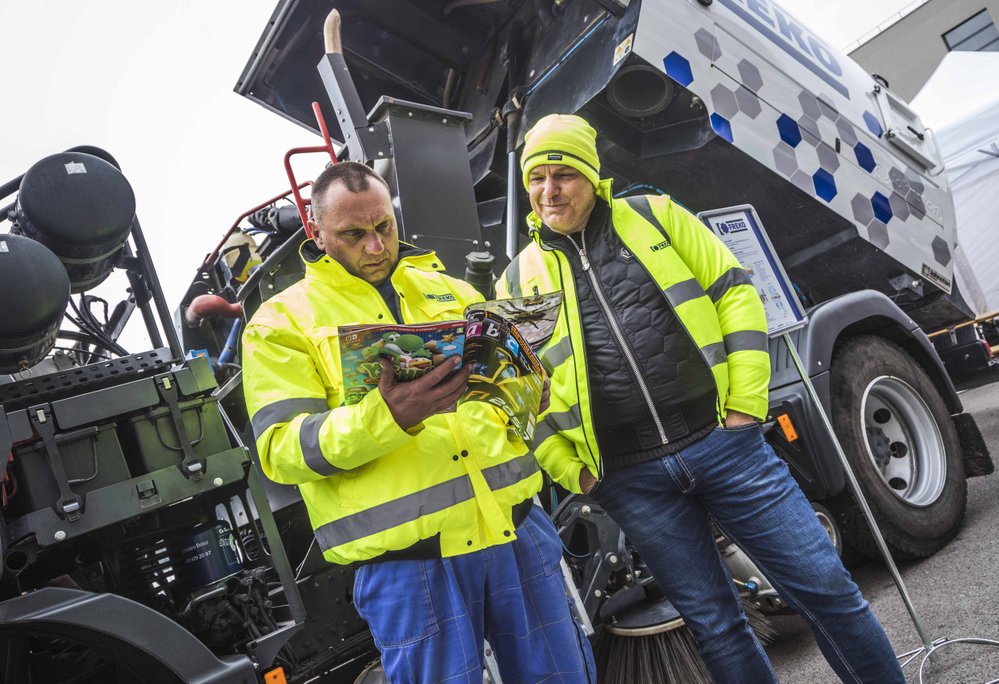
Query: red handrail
{"points": [[300, 202], [211, 257], [326, 147], [323, 130]]}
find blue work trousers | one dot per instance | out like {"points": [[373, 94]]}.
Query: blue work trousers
{"points": [[665, 507], [429, 618]]}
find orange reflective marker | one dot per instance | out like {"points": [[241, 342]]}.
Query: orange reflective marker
{"points": [[790, 434], [275, 676]]}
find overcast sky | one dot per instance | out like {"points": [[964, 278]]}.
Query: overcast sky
{"points": [[152, 84], [842, 22]]}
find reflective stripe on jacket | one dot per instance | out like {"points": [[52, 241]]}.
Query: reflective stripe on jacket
{"points": [[369, 486], [711, 294]]}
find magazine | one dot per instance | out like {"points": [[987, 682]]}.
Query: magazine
{"points": [[498, 338]]}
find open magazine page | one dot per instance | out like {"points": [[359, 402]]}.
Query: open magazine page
{"points": [[534, 316], [413, 349], [505, 372]]}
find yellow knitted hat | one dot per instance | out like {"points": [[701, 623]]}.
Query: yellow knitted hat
{"points": [[562, 139]]}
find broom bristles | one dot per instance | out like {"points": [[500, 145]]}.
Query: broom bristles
{"points": [[654, 659], [759, 623], [665, 657]]}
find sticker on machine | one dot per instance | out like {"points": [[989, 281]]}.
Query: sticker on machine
{"points": [[936, 278], [623, 49]]}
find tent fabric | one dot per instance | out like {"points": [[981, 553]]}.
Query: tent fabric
{"points": [[960, 104]]}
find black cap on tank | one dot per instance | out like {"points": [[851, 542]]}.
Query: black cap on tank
{"points": [[82, 208], [35, 291]]}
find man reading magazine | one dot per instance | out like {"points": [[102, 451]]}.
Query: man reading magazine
{"points": [[432, 502]]}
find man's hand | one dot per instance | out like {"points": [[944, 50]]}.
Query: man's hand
{"points": [[436, 392], [546, 396], [735, 419], [586, 481]]}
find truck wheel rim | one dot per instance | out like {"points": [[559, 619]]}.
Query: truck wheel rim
{"points": [[829, 526], [903, 441]]}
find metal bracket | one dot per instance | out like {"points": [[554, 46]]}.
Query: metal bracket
{"points": [[70, 504], [373, 142], [193, 466], [909, 283], [607, 550], [365, 142]]}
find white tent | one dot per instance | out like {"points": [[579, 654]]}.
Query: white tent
{"points": [[960, 103]]}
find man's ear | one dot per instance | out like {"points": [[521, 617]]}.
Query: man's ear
{"points": [[317, 235]]}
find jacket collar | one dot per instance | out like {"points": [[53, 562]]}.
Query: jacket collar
{"points": [[319, 266]]}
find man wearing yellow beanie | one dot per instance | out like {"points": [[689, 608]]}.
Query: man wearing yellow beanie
{"points": [[659, 377]]}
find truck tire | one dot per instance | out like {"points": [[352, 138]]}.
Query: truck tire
{"points": [[900, 440]]}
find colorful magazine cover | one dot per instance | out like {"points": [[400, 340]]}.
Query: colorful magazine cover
{"points": [[498, 337], [505, 371], [535, 317], [413, 349]]}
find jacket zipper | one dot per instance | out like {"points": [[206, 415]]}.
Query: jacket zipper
{"points": [[561, 275], [615, 328]]}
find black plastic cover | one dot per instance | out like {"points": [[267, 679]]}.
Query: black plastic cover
{"points": [[82, 208], [35, 290]]}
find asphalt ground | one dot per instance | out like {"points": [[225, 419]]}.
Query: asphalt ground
{"points": [[955, 593]]}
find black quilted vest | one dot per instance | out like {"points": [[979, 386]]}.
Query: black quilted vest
{"points": [[676, 375]]}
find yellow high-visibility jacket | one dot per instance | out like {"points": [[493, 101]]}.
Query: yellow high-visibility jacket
{"points": [[371, 487], [711, 294]]}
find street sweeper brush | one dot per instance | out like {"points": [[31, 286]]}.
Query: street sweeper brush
{"points": [[650, 643]]}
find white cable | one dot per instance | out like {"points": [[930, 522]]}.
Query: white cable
{"points": [[298, 570]]}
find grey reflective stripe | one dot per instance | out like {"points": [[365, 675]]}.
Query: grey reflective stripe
{"points": [[511, 472], [641, 205], [513, 278], [394, 513], [312, 452], [683, 292], [283, 411], [747, 340], [714, 353], [729, 279], [555, 355], [679, 293], [558, 422]]}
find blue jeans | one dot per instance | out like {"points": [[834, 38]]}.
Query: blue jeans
{"points": [[733, 477], [429, 617]]}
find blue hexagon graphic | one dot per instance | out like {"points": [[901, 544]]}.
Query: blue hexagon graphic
{"points": [[873, 125], [882, 207], [825, 185], [678, 68], [722, 127], [864, 157], [789, 131]]}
